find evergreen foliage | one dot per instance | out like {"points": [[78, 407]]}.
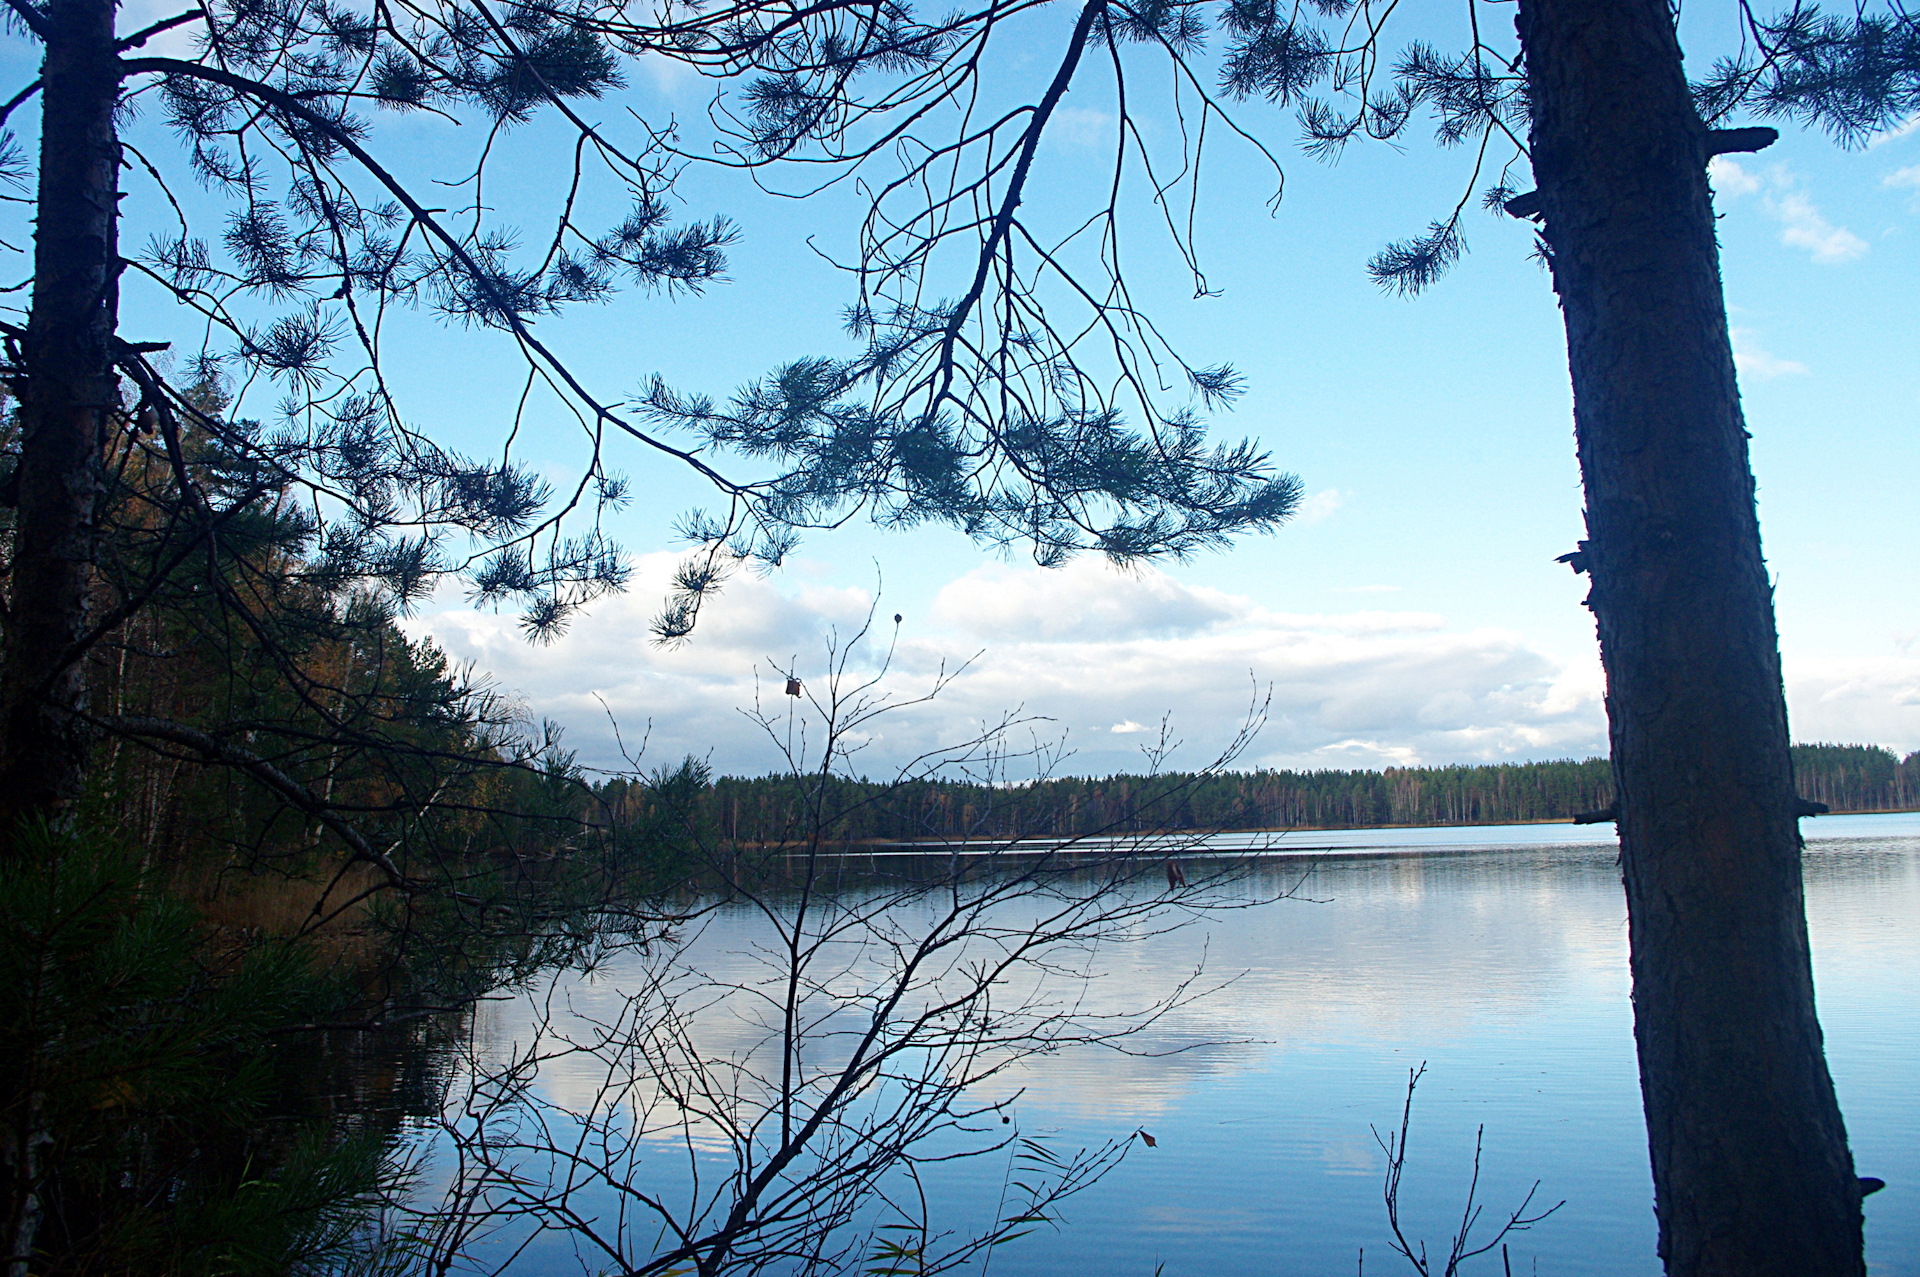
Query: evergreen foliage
{"points": [[280, 114], [153, 1069], [331, 826], [1857, 777], [258, 655], [227, 579], [762, 811], [1852, 74], [316, 821]]}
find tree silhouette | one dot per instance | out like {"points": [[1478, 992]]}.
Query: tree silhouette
{"points": [[997, 373], [1751, 1168], [275, 114]]}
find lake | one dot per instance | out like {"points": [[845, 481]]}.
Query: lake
{"points": [[1496, 956]]}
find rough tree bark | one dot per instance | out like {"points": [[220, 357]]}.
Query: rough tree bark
{"points": [[66, 408], [1751, 1169]]}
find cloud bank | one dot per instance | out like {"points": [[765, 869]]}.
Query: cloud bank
{"points": [[1100, 658], [1855, 700]]}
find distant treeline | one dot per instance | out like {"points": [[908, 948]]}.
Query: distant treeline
{"points": [[768, 809]]}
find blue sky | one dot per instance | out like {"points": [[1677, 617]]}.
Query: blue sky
{"points": [[1412, 613]]}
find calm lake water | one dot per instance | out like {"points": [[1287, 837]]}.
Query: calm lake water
{"points": [[1497, 956]]}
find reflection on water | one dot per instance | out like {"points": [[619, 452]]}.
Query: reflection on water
{"points": [[1504, 970]]}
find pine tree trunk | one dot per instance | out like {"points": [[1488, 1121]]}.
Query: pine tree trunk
{"points": [[66, 410], [1751, 1170]]}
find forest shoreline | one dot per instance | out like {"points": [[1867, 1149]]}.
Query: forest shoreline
{"points": [[749, 812]]}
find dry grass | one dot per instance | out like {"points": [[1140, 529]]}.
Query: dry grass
{"points": [[335, 911]]}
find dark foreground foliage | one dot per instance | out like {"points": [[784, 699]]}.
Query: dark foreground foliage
{"points": [[306, 844], [161, 1081]]}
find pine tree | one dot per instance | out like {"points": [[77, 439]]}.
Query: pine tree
{"points": [[981, 407], [276, 114], [145, 482], [1752, 1172]]}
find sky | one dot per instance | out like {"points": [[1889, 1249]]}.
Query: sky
{"points": [[1412, 613]]}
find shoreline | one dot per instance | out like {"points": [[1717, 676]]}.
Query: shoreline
{"points": [[1281, 844]]}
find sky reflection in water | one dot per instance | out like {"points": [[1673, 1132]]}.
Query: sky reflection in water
{"points": [[1505, 971]]}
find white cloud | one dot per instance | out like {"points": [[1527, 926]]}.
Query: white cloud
{"points": [[681, 701], [1802, 224], [1855, 701], [1755, 360], [1082, 126], [1909, 178], [1319, 507], [1729, 179], [1352, 755], [671, 78], [1084, 600], [1102, 655]]}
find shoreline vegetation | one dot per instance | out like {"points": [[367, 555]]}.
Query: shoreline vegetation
{"points": [[747, 811]]}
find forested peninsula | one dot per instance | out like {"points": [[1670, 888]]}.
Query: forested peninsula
{"points": [[1848, 778]]}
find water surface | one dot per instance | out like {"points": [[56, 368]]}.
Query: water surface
{"points": [[1496, 956]]}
